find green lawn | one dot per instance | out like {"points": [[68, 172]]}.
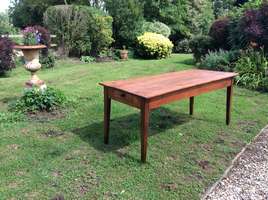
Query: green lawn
{"points": [[185, 155]]}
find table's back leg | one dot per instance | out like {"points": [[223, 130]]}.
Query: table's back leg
{"points": [[107, 113], [229, 104], [144, 129], [191, 106]]}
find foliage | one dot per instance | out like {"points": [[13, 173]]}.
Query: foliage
{"points": [[172, 13], [6, 55], [152, 45], [80, 30], [220, 60], [5, 26], [156, 27], [127, 20], [183, 47], [252, 68], [222, 7], [201, 45], [250, 28], [48, 60], [242, 7], [199, 16], [87, 59], [30, 12], [219, 31], [35, 99]]}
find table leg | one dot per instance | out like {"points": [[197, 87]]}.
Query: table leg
{"points": [[107, 112], [191, 105], [229, 104], [144, 130]]}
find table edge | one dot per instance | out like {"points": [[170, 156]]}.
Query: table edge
{"points": [[144, 97]]}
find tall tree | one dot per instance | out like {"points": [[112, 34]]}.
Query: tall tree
{"points": [[127, 20], [30, 12]]}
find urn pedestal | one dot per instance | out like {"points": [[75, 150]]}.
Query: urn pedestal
{"points": [[31, 57]]}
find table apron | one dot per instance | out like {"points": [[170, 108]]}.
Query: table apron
{"points": [[124, 97], [189, 92]]}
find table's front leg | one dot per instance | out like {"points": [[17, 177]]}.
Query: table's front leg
{"points": [[229, 103], [107, 113], [145, 114]]}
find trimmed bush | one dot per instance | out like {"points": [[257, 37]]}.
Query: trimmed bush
{"points": [[219, 31], [80, 30], [220, 60], [200, 46], [156, 27], [152, 45], [6, 56]]}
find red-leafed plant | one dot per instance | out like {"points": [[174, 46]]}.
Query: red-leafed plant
{"points": [[6, 55], [219, 31]]}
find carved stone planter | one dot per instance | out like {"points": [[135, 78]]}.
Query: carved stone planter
{"points": [[31, 56]]}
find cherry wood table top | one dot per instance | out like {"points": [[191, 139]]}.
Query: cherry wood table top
{"points": [[156, 85]]}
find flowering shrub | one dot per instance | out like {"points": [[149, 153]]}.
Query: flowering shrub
{"points": [[31, 36], [44, 34], [152, 45], [6, 52]]}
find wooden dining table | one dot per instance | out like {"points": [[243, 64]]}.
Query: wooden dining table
{"points": [[150, 92]]}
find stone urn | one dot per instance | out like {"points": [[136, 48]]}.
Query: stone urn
{"points": [[124, 54], [31, 57]]}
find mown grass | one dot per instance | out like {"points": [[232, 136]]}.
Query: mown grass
{"points": [[41, 158]]}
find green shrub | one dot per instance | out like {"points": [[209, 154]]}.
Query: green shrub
{"points": [[152, 45], [264, 85], [183, 47], [252, 67], [87, 59], [35, 99], [220, 60], [156, 27], [200, 46], [80, 30], [48, 60]]}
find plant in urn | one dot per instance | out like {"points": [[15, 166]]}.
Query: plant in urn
{"points": [[30, 48]]}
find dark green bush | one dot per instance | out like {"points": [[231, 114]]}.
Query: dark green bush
{"points": [[201, 45], [220, 60], [48, 60], [35, 99], [127, 20], [252, 67], [80, 30], [183, 47]]}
